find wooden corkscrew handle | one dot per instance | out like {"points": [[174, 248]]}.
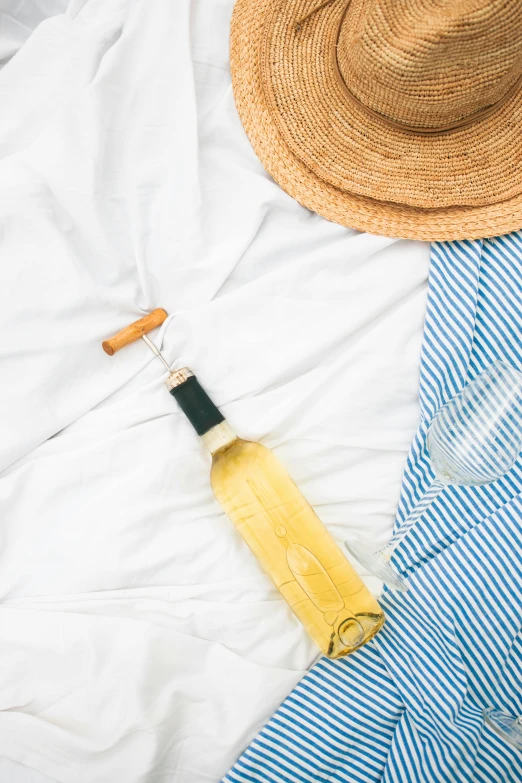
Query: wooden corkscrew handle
{"points": [[134, 331]]}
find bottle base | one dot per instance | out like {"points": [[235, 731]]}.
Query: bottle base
{"points": [[354, 633]]}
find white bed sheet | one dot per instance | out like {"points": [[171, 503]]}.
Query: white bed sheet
{"points": [[139, 641]]}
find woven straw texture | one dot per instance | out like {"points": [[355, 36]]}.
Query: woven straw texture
{"points": [[397, 117]]}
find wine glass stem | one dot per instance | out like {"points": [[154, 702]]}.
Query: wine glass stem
{"points": [[426, 500]]}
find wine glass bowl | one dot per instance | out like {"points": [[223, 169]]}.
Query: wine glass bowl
{"points": [[474, 439], [477, 436]]}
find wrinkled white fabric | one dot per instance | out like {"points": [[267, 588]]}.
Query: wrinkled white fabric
{"points": [[139, 640]]}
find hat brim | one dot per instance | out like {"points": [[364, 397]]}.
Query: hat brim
{"points": [[289, 109]]}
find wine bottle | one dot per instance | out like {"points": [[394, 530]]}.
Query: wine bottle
{"points": [[282, 530]]}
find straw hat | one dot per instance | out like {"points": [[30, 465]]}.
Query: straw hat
{"points": [[397, 117]]}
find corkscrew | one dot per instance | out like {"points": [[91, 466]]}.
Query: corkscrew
{"points": [[139, 330], [136, 331], [182, 383]]}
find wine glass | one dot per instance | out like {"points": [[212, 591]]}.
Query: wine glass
{"points": [[474, 439], [506, 726]]}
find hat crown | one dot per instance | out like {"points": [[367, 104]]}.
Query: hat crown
{"points": [[430, 63]]}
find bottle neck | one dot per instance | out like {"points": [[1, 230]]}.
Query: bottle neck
{"points": [[219, 437], [207, 420]]}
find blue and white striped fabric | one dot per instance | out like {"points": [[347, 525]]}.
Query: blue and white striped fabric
{"points": [[406, 708]]}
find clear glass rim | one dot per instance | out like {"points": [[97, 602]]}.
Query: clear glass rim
{"points": [[507, 726]]}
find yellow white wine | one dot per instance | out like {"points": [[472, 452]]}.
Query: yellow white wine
{"points": [[283, 531]]}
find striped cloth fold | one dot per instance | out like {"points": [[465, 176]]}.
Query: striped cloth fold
{"points": [[407, 707]]}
